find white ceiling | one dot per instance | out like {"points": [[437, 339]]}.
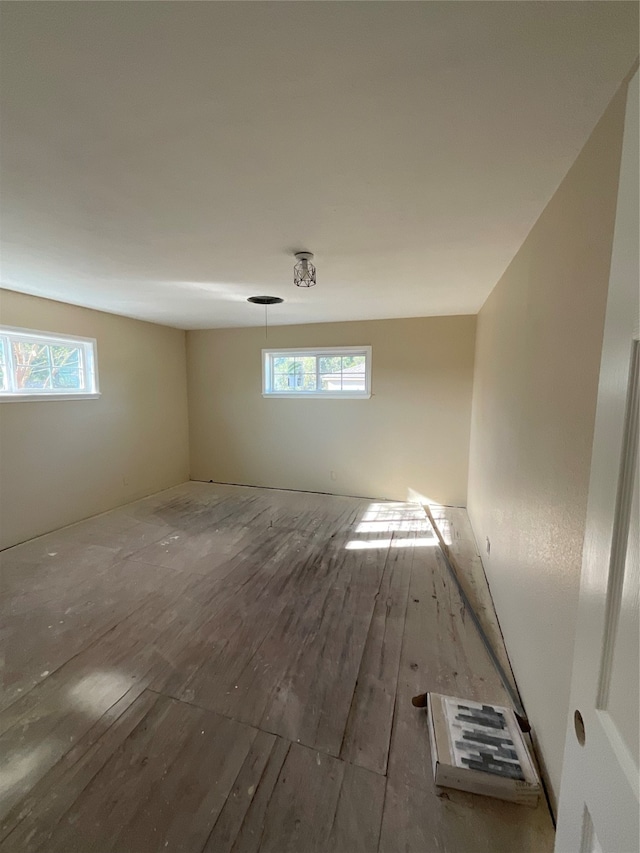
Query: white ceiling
{"points": [[164, 160]]}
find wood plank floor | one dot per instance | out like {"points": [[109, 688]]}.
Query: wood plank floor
{"points": [[228, 669]]}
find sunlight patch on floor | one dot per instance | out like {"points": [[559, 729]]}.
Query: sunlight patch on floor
{"points": [[20, 766], [392, 526], [393, 517], [95, 692], [418, 542]]}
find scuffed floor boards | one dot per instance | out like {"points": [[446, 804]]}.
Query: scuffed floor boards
{"points": [[230, 669], [455, 528]]}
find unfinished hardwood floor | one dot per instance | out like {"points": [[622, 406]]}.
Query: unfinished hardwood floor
{"points": [[229, 669]]}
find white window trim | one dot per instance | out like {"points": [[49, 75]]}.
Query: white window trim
{"points": [[317, 395], [90, 348]]}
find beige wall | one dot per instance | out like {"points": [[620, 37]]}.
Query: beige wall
{"points": [[412, 434], [61, 461], [536, 376]]}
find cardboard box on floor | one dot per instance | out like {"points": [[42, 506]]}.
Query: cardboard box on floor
{"points": [[479, 748]]}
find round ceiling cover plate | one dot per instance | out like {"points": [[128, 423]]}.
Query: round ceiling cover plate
{"points": [[265, 300]]}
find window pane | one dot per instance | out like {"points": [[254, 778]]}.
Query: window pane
{"points": [[353, 373], [354, 383], [308, 363], [331, 382], [286, 365], [68, 377], [330, 364], [354, 361], [27, 354], [317, 372], [65, 355], [33, 377], [309, 382], [33, 363]]}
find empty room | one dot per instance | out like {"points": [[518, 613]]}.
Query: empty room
{"points": [[319, 392]]}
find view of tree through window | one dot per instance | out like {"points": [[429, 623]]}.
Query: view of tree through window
{"points": [[33, 364], [316, 373], [313, 373], [47, 366]]}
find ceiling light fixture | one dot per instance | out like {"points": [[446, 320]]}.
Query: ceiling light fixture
{"points": [[266, 301], [304, 272]]}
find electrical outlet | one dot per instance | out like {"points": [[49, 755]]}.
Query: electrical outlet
{"points": [[488, 545], [333, 475]]}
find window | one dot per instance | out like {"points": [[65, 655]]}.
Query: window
{"points": [[37, 365], [328, 372]]}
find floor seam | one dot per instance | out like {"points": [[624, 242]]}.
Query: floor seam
{"points": [[260, 728]]}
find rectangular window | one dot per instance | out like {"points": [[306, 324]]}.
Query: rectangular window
{"points": [[37, 365], [337, 372]]}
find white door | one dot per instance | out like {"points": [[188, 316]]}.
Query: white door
{"points": [[599, 796]]}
